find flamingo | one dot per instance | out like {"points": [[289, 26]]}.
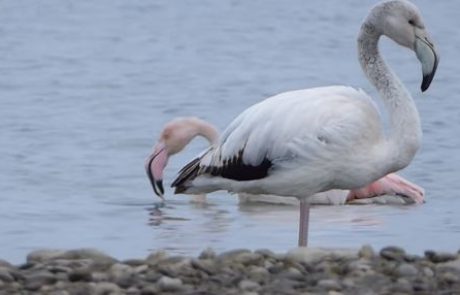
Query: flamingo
{"points": [[302, 142], [176, 134]]}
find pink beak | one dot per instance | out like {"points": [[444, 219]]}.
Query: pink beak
{"points": [[154, 166]]}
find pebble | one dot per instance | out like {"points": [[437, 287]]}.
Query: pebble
{"points": [[5, 275], [105, 288], [366, 252], [239, 272], [247, 285], [36, 280], [393, 253], [329, 284], [406, 270], [169, 284]]}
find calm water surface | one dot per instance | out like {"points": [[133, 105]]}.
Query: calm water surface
{"points": [[85, 87]]}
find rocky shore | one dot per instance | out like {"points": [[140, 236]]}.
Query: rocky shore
{"points": [[242, 272]]}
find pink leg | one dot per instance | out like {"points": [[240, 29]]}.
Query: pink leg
{"points": [[303, 222], [391, 184]]}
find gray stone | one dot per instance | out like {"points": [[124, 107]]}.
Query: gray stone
{"points": [[437, 257], [269, 254], [122, 275], [166, 283], [154, 258], [105, 288], [5, 275], [428, 272], [329, 284], [141, 268], [247, 285], [449, 277], [366, 252], [206, 265], [80, 274], [294, 274], [313, 255], [100, 276], [4, 263], [360, 266], [232, 254], [133, 291], [258, 274], [451, 265], [403, 285], [100, 259], [207, 253], [36, 280], [134, 262], [43, 255], [393, 253], [406, 270]]}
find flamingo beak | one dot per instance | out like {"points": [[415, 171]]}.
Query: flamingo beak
{"points": [[428, 57], [154, 166]]}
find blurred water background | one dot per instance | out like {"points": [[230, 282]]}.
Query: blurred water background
{"points": [[86, 86]]}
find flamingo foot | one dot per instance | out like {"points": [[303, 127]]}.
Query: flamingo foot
{"points": [[391, 184]]}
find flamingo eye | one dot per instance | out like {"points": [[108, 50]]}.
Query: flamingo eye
{"points": [[412, 22]]}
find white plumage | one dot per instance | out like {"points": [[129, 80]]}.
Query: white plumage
{"points": [[307, 141], [312, 137]]}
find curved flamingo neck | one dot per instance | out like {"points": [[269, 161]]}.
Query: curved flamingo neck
{"points": [[207, 131], [405, 131]]}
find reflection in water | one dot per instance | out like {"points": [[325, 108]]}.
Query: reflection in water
{"points": [[86, 87]]}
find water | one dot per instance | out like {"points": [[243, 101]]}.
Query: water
{"points": [[85, 87]]}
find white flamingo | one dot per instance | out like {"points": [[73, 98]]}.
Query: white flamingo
{"points": [[302, 142], [176, 134]]}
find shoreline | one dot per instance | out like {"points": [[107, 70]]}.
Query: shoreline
{"points": [[239, 271]]}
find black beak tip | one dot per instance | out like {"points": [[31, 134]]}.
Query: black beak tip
{"points": [[159, 186], [426, 81]]}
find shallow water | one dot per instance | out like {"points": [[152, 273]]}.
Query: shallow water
{"points": [[86, 86]]}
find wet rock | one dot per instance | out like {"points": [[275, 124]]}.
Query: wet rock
{"points": [[366, 252], [100, 259], [426, 271], [206, 265], [269, 254], [134, 262], [360, 267], [36, 280], [80, 274], [154, 258], [43, 255], [451, 265], [170, 284], [258, 274], [105, 288], [247, 285], [232, 254], [448, 277], [438, 257], [5, 275], [393, 253], [294, 274], [329, 284], [4, 263], [141, 268], [122, 275], [406, 270], [207, 253], [313, 255], [403, 285]]}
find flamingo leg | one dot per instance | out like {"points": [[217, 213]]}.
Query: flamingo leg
{"points": [[304, 217]]}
